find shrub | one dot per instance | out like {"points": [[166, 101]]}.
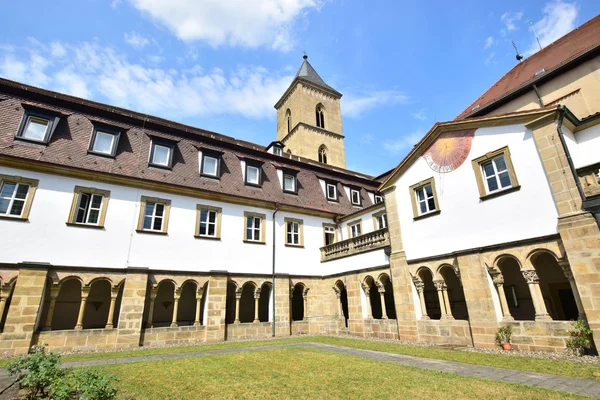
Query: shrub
{"points": [[503, 335], [91, 385], [581, 337]]}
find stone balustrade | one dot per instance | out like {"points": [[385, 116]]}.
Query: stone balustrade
{"points": [[361, 244], [590, 179]]}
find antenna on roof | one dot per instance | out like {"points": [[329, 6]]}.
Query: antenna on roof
{"points": [[535, 33], [519, 55]]}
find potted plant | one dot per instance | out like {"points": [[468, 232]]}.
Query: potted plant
{"points": [[503, 337], [580, 339]]}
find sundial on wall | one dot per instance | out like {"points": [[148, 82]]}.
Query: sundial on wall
{"points": [[449, 150]]}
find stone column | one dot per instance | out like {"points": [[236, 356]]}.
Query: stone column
{"points": [[441, 287], [421, 293], [498, 280], [338, 296], [2, 304], [564, 264], [367, 291], [175, 307], [382, 297], [111, 311], [533, 281], [85, 291], [256, 298], [199, 294], [305, 297], [238, 296], [153, 294], [53, 296]]}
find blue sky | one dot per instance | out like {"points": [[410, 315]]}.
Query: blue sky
{"points": [[222, 64]]}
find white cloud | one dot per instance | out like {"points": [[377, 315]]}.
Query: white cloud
{"points": [[421, 115], [57, 49], [489, 42], [136, 40], [233, 22], [403, 143], [115, 3], [491, 58], [355, 105], [509, 19], [559, 19]]}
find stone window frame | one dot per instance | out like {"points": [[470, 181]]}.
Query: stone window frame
{"points": [[33, 185], [300, 223], [29, 112], [351, 224], [218, 211], [335, 233], [263, 219], [377, 215], [77, 192], [413, 198], [166, 214], [481, 186], [104, 128]]}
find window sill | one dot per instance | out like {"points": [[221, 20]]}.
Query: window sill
{"points": [[207, 237], [332, 200], [164, 167], [76, 225], [298, 246], [151, 232], [429, 214], [500, 193], [290, 192], [209, 176], [254, 185], [95, 153], [253, 242], [34, 141], [18, 219]]}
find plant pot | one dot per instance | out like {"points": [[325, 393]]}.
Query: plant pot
{"points": [[506, 346]]}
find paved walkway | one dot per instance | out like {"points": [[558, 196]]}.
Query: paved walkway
{"points": [[587, 387]]}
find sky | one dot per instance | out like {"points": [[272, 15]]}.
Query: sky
{"points": [[221, 65]]}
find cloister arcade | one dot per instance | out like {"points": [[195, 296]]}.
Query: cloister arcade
{"points": [[247, 302], [441, 297], [379, 297], [342, 300]]}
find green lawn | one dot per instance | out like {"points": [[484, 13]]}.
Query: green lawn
{"points": [[305, 374]]}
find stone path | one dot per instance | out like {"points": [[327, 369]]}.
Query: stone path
{"points": [[586, 387]]}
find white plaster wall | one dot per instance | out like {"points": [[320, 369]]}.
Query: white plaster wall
{"points": [[47, 238], [584, 146], [467, 222]]}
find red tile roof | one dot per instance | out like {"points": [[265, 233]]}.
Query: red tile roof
{"points": [[568, 48]]}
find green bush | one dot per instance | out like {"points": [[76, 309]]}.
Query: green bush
{"points": [[503, 335], [93, 386], [581, 337]]}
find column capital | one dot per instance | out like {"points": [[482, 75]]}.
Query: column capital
{"points": [[498, 279], [440, 284], [305, 292], [85, 292], [531, 276], [366, 288], [564, 264]]}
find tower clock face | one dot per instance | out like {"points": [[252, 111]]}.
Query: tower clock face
{"points": [[449, 151]]}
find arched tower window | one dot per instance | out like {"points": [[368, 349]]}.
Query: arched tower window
{"points": [[320, 116], [323, 154], [288, 120]]}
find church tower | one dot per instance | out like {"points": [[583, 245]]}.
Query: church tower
{"points": [[309, 118]]}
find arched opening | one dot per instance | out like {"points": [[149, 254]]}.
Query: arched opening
{"points": [[343, 301], [288, 119], [118, 302], [247, 303], [164, 304], [67, 303], [456, 294], [10, 288], [390, 306], [320, 116], [298, 302], [97, 305], [323, 154], [556, 290], [432, 302], [264, 302], [230, 303], [517, 292], [374, 298], [186, 309]]}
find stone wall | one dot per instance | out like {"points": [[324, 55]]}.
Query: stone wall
{"points": [[454, 332], [173, 335], [85, 340], [540, 336], [380, 328], [250, 331]]}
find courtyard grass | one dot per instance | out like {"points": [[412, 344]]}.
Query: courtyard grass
{"points": [[302, 373]]}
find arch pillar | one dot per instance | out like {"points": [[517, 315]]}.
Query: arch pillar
{"points": [[533, 281], [305, 297], [421, 293], [498, 280], [153, 294], [85, 291], [176, 297], [53, 296], [238, 297], [564, 265], [442, 290], [199, 294], [256, 298], [111, 311], [367, 291], [381, 290], [338, 296]]}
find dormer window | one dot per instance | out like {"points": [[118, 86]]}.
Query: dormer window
{"points": [[289, 183], [378, 199], [320, 116], [277, 151], [332, 192], [355, 197], [104, 141], [253, 174], [37, 126], [161, 154], [210, 164]]}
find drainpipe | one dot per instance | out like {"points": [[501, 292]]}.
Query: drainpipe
{"points": [[537, 93], [562, 111], [273, 262]]}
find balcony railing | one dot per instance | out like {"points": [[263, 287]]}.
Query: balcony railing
{"points": [[361, 244]]}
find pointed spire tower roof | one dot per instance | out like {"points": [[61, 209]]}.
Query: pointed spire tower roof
{"points": [[307, 74]]}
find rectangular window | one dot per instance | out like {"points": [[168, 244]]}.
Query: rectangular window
{"points": [[424, 199], [253, 175], [294, 232], [329, 232], [104, 140], [355, 197], [354, 229], [332, 193], [210, 165], [154, 215], [89, 207], [378, 199], [208, 222], [254, 229], [37, 126], [12, 198], [380, 220], [289, 183], [161, 154], [495, 173], [277, 151]]}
